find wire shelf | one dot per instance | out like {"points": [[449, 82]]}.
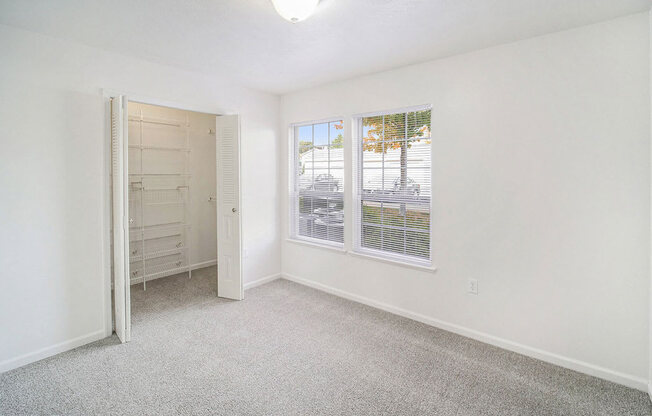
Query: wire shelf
{"points": [[156, 254], [154, 272], [159, 182]]}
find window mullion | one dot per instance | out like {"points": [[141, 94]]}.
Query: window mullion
{"points": [[405, 137], [382, 187], [328, 169]]}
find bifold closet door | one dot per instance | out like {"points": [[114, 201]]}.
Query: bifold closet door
{"points": [[120, 198], [229, 267]]}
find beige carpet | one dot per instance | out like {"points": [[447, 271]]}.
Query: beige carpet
{"points": [[291, 350]]}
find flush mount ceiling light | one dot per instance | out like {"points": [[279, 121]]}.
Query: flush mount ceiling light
{"points": [[295, 10]]}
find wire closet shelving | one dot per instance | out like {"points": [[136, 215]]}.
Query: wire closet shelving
{"points": [[159, 197]]}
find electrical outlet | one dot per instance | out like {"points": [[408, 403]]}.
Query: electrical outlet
{"points": [[472, 286]]}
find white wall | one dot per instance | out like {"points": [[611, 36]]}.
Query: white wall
{"points": [[541, 185], [203, 184], [53, 171]]}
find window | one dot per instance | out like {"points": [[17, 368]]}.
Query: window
{"points": [[317, 190], [394, 185]]}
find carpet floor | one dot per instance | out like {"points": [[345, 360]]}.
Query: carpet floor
{"points": [[291, 350]]}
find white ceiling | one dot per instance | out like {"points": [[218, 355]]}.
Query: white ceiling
{"points": [[247, 41]]}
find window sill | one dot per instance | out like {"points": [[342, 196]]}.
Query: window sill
{"points": [[341, 250], [424, 268], [334, 248]]}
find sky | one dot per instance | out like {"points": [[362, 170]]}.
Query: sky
{"points": [[324, 133]]}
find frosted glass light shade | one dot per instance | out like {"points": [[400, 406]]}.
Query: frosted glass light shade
{"points": [[295, 10]]}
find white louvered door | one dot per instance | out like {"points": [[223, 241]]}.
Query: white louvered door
{"points": [[229, 267], [120, 197]]}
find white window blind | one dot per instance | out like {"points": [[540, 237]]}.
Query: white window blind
{"points": [[317, 203], [393, 194]]}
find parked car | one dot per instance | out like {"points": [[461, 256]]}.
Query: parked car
{"points": [[411, 187], [328, 216], [325, 182]]}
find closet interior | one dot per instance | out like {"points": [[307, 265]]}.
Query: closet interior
{"points": [[172, 185]]}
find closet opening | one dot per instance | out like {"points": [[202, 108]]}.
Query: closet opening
{"points": [[175, 210], [172, 205]]}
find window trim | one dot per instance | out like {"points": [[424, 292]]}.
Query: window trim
{"points": [[293, 235], [396, 262], [357, 248], [409, 109], [316, 243]]}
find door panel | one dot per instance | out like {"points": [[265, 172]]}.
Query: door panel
{"points": [[120, 200], [229, 266]]}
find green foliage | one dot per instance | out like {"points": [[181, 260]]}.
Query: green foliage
{"points": [[414, 241], [304, 146], [338, 142], [396, 131], [392, 216]]}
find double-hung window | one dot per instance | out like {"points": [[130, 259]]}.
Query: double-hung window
{"points": [[317, 190], [393, 185]]}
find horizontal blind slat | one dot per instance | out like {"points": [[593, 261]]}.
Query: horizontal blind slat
{"points": [[394, 185], [318, 191]]}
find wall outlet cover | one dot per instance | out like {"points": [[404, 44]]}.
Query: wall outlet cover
{"points": [[472, 286]]}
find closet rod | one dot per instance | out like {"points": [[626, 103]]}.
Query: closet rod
{"points": [[155, 121], [168, 149], [184, 175], [166, 203]]}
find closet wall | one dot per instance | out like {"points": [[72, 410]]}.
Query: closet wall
{"points": [[59, 211], [172, 191]]}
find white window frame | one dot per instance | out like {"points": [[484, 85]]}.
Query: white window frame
{"points": [[293, 145], [357, 195]]}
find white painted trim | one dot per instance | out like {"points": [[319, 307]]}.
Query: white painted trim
{"points": [[262, 281], [388, 259], [293, 152], [107, 219], [144, 99], [192, 267], [336, 248], [106, 205], [552, 358], [356, 172], [649, 335], [409, 109], [64, 346], [46, 352], [320, 121]]}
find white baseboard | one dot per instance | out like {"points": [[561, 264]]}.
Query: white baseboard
{"points": [[262, 281], [552, 358], [46, 352]]}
